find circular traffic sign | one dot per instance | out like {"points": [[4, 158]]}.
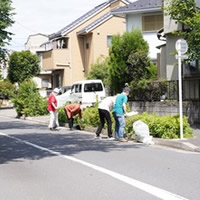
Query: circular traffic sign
{"points": [[181, 46]]}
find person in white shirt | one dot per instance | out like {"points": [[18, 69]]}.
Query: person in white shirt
{"points": [[105, 106]]}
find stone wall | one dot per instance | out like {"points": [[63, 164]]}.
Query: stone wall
{"points": [[191, 109]]}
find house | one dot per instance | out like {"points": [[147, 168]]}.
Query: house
{"points": [[71, 51], [168, 62], [33, 44], [147, 16]]}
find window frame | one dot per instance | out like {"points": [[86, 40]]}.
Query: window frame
{"points": [[156, 24]]}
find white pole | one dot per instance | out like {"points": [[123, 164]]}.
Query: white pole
{"points": [[180, 95]]}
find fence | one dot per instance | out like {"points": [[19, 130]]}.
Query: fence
{"points": [[168, 90]]}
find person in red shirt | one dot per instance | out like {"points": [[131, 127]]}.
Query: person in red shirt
{"points": [[52, 108], [70, 111]]}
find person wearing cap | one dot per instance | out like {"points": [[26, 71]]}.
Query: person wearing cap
{"points": [[118, 112], [52, 108], [71, 110]]}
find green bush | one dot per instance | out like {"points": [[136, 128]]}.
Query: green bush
{"points": [[91, 116], [167, 127], [62, 118], [28, 101], [160, 126], [7, 89]]}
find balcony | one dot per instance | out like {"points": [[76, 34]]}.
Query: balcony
{"points": [[55, 59]]}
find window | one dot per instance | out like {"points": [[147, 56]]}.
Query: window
{"points": [[73, 89], [93, 87], [57, 80], [62, 43], [87, 46], [152, 22], [45, 83], [78, 88], [109, 40]]}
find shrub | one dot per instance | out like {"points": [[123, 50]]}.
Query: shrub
{"points": [[28, 101], [99, 70], [160, 126], [7, 89], [91, 116], [62, 118]]}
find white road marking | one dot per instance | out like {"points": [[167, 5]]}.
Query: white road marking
{"points": [[155, 191]]}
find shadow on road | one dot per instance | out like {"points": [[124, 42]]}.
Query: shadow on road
{"points": [[63, 141]]}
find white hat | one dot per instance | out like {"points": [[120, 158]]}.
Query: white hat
{"points": [[56, 90]]}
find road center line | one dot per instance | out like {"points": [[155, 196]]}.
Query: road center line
{"points": [[155, 191]]}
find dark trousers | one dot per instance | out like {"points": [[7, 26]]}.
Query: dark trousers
{"points": [[70, 120], [104, 115]]}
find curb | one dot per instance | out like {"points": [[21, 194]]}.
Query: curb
{"points": [[178, 144]]}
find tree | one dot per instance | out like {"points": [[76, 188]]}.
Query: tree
{"points": [[187, 14], [99, 70], [23, 66], [5, 22], [7, 89], [28, 101], [128, 59]]}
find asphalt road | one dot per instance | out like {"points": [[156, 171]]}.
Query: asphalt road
{"points": [[37, 164]]}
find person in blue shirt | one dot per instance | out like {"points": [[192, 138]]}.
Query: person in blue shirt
{"points": [[118, 112]]}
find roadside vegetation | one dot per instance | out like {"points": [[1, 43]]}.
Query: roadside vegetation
{"points": [[166, 127], [6, 20], [27, 100], [23, 66]]}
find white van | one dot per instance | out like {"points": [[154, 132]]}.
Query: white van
{"points": [[87, 91]]}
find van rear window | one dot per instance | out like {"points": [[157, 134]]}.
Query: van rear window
{"points": [[93, 87]]}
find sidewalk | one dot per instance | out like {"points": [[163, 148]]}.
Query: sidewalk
{"points": [[192, 144]]}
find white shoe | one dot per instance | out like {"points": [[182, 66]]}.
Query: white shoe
{"points": [[111, 138]]}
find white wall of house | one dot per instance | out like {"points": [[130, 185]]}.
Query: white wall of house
{"points": [[34, 41], [4, 71], [134, 21], [33, 44]]}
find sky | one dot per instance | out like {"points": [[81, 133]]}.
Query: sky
{"points": [[44, 16]]}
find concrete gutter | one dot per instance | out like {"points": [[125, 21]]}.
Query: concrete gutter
{"points": [[178, 144]]}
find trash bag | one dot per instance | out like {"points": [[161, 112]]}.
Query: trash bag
{"points": [[142, 132]]}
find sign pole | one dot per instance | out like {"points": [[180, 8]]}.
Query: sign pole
{"points": [[181, 47], [180, 95]]}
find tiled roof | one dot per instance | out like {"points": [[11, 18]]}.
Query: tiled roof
{"points": [[95, 23], [140, 5], [81, 19]]}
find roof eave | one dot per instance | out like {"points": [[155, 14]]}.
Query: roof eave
{"points": [[86, 31], [124, 12], [106, 5]]}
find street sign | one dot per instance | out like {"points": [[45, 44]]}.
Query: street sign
{"points": [[182, 56], [181, 46]]}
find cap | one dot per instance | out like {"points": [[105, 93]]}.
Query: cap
{"points": [[56, 90], [126, 89]]}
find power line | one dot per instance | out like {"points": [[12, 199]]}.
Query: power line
{"points": [[27, 28]]}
